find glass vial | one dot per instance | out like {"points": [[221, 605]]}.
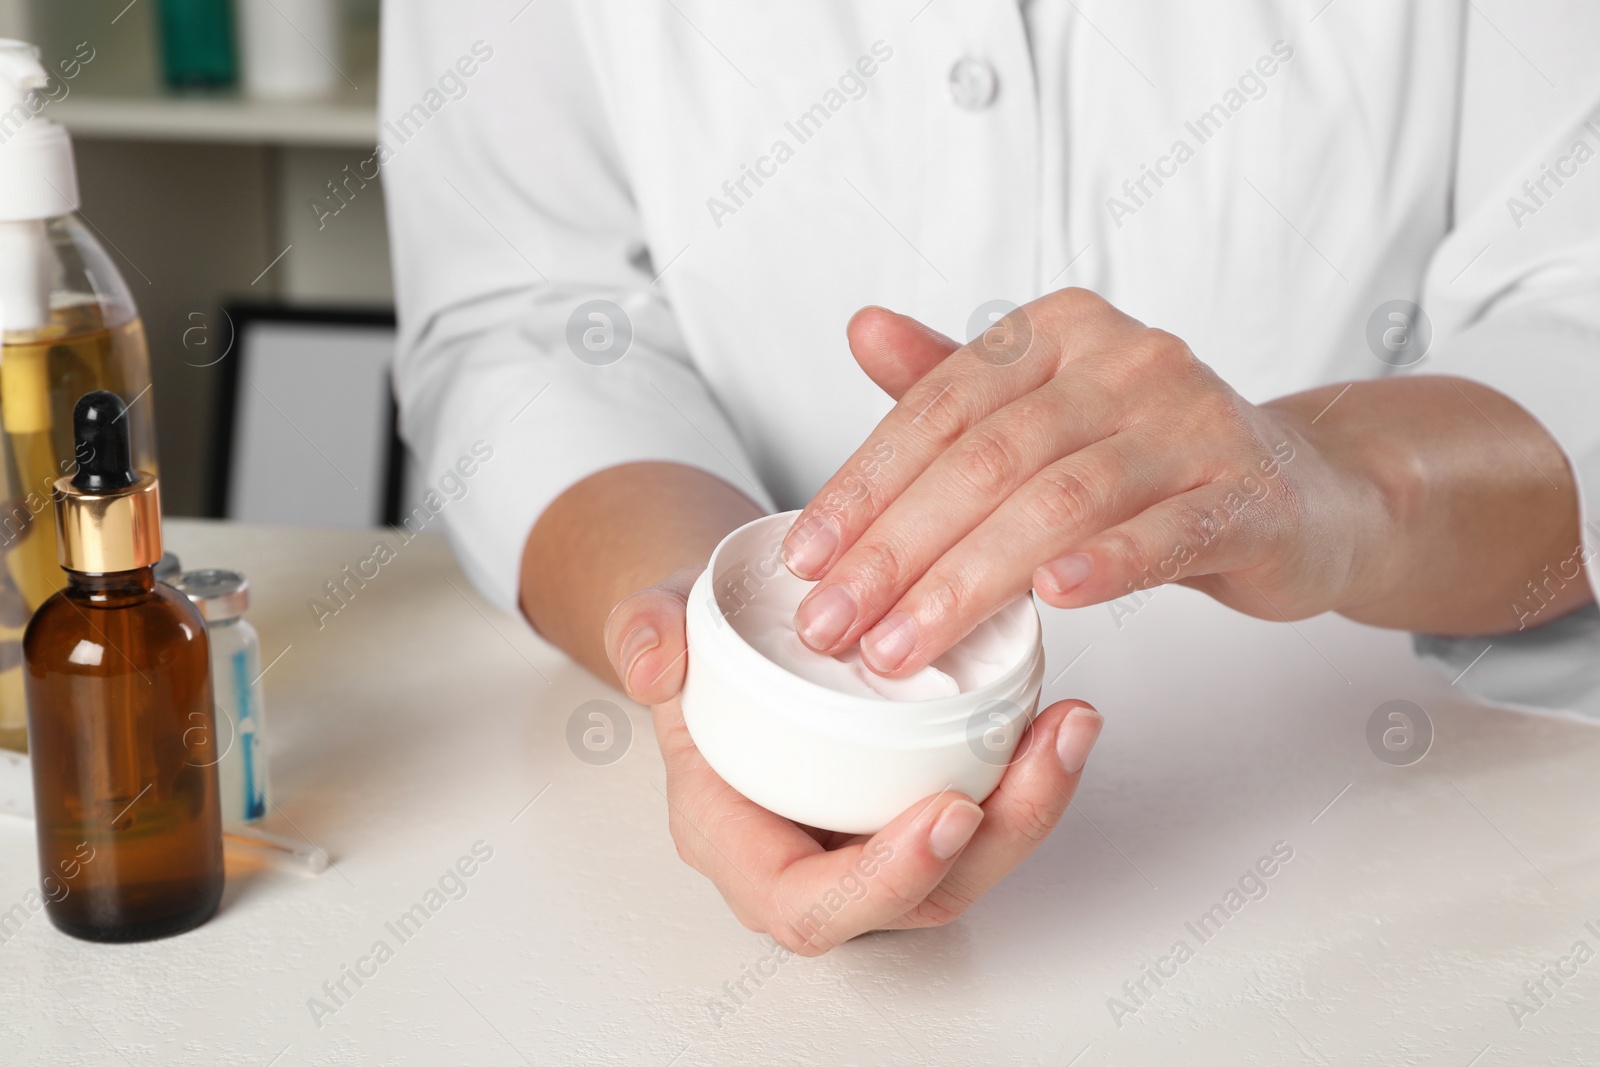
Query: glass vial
{"points": [[123, 740], [223, 597]]}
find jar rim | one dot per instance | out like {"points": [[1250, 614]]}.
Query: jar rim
{"points": [[818, 707]]}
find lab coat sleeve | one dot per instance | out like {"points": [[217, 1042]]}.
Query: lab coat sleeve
{"points": [[509, 214], [1514, 298]]}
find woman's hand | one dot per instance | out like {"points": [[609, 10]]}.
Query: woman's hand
{"points": [[812, 890], [1079, 453]]}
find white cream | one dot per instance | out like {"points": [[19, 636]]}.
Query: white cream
{"points": [[762, 612]]}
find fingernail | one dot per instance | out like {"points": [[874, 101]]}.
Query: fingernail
{"points": [[1067, 573], [1076, 737], [810, 546], [954, 828], [824, 618], [886, 646], [639, 642]]}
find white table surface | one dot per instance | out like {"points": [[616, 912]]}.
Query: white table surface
{"points": [[419, 721]]}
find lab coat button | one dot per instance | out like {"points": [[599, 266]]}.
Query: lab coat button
{"points": [[973, 83]]}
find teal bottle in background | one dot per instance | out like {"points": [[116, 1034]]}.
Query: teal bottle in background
{"points": [[197, 44]]}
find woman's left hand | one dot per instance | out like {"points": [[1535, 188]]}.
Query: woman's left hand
{"points": [[1073, 450]]}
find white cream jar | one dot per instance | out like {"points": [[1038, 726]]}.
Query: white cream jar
{"points": [[822, 741]]}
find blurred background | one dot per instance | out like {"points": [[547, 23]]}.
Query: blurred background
{"points": [[213, 139]]}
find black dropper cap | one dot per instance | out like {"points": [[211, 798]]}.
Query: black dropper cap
{"points": [[100, 438]]}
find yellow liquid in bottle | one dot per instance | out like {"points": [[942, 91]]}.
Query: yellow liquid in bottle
{"points": [[42, 375]]}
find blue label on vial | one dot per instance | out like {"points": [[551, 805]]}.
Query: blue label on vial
{"points": [[255, 799]]}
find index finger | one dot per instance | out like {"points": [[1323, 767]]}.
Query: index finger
{"points": [[827, 898]]}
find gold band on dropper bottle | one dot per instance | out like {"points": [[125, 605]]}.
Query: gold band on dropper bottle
{"points": [[103, 533]]}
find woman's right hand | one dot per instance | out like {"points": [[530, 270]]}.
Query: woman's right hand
{"points": [[812, 889]]}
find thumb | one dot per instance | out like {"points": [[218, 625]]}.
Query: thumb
{"points": [[645, 641], [895, 350]]}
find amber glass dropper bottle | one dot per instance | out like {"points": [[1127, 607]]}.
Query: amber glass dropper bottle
{"points": [[120, 717]]}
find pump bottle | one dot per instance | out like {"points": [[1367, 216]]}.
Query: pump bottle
{"points": [[67, 325], [123, 740]]}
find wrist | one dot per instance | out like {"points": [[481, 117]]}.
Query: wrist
{"points": [[1368, 484]]}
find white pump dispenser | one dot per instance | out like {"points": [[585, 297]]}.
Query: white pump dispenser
{"points": [[38, 181]]}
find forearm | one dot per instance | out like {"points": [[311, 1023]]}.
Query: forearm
{"points": [[615, 532], [1471, 501]]}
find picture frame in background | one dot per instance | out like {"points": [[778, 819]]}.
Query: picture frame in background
{"points": [[306, 416]]}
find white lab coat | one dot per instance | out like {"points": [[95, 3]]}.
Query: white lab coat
{"points": [[1257, 177]]}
